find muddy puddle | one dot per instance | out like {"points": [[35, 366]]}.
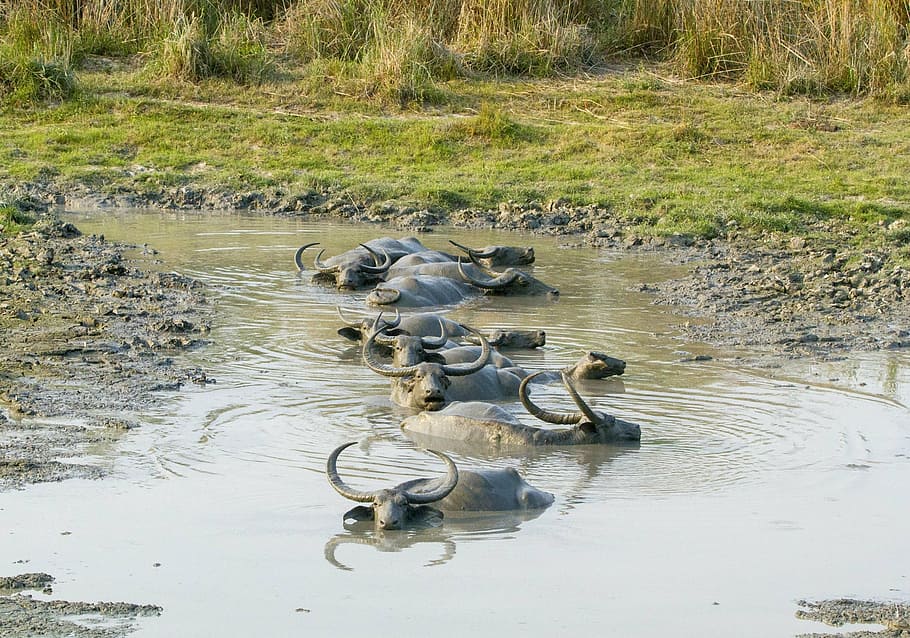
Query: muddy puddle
{"points": [[751, 489]]}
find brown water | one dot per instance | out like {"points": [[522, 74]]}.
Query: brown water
{"points": [[749, 491]]}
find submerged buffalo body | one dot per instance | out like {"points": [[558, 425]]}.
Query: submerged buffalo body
{"points": [[488, 425], [466, 491], [427, 324], [416, 291], [447, 269]]}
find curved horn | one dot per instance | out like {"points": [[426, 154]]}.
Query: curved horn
{"points": [[451, 480], [332, 473], [377, 268], [299, 255], [540, 413], [377, 328], [475, 254], [463, 369], [585, 409], [323, 268], [381, 368], [347, 322], [432, 343], [497, 283]]}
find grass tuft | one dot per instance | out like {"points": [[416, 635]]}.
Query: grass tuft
{"points": [[13, 220]]}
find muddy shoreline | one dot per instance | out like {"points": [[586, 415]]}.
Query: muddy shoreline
{"points": [[76, 307]]}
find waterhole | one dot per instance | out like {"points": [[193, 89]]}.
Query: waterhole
{"points": [[750, 489]]}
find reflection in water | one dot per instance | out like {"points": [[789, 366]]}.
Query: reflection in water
{"points": [[451, 531]]}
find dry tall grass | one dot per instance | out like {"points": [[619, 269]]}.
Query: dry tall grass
{"points": [[402, 47], [857, 46]]}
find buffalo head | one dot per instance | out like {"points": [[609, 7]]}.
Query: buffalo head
{"points": [[597, 426], [492, 256], [396, 507], [423, 385], [351, 270], [509, 282]]}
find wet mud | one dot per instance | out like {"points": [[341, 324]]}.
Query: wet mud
{"points": [[87, 339], [23, 615], [894, 617]]}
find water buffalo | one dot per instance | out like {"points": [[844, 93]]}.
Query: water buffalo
{"points": [[485, 424], [494, 256], [429, 386], [409, 502], [510, 282], [415, 291], [595, 365], [427, 324], [363, 266]]}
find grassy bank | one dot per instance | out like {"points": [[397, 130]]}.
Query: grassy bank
{"points": [[674, 157]]}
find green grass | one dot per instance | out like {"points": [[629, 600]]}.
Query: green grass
{"points": [[667, 157], [13, 220]]}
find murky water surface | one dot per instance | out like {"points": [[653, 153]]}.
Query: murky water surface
{"points": [[750, 490]]}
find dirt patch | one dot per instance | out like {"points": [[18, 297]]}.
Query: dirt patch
{"points": [[894, 617], [87, 338], [794, 301], [22, 616]]}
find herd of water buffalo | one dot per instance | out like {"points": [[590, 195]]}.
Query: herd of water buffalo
{"points": [[448, 373]]}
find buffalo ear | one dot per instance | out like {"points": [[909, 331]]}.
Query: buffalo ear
{"points": [[587, 427], [353, 334], [435, 357], [426, 516], [359, 514]]}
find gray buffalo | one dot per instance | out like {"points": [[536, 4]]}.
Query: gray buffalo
{"points": [[488, 425], [429, 386], [363, 266], [409, 350], [410, 502], [494, 256], [595, 365], [427, 324], [417, 291]]}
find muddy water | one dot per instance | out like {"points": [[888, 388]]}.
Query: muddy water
{"points": [[750, 490]]}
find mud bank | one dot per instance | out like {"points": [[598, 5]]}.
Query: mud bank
{"points": [[87, 338], [894, 617], [23, 615]]}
